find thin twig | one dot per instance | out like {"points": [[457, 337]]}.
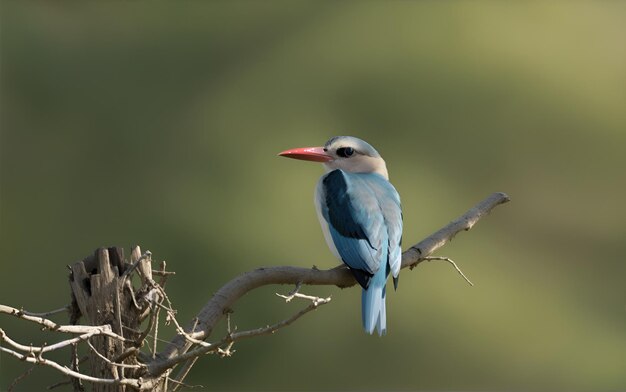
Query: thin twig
{"points": [[66, 308], [184, 370], [59, 384], [148, 335], [129, 351], [146, 332], [113, 369], [146, 255], [163, 273], [186, 367], [315, 300], [171, 317], [129, 287], [292, 294], [20, 378], [40, 350], [118, 306], [449, 260], [164, 295], [77, 384], [107, 360], [156, 331], [67, 371], [229, 330], [182, 384], [234, 337], [48, 324]]}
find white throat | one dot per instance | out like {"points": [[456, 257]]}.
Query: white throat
{"points": [[360, 164]]}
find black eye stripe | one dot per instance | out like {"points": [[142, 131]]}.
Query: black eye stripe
{"points": [[345, 152]]}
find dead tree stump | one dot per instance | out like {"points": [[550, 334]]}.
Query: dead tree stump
{"points": [[104, 293]]}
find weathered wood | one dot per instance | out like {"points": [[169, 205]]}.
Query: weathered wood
{"points": [[104, 295]]}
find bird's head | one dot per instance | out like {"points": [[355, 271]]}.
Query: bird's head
{"points": [[347, 153]]}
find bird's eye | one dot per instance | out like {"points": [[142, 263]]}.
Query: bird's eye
{"points": [[345, 152]]}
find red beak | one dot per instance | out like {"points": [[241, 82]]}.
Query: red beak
{"points": [[315, 154]]}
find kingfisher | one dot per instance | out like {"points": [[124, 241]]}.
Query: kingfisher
{"points": [[361, 218]]}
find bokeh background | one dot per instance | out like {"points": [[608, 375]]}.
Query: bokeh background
{"points": [[159, 123]]}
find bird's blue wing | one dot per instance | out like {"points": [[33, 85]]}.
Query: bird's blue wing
{"points": [[356, 208], [389, 201]]}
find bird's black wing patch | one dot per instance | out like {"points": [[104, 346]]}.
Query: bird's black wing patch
{"points": [[342, 216], [340, 207]]}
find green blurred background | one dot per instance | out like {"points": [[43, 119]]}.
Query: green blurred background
{"points": [[159, 123]]}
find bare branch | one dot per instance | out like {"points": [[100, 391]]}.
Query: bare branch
{"points": [[45, 349], [189, 343], [339, 276], [69, 372], [51, 325]]}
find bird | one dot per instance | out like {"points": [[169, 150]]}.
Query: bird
{"points": [[361, 218]]}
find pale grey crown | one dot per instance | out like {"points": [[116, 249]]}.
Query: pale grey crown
{"points": [[360, 146]]}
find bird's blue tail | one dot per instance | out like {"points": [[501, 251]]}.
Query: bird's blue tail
{"points": [[373, 303]]}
